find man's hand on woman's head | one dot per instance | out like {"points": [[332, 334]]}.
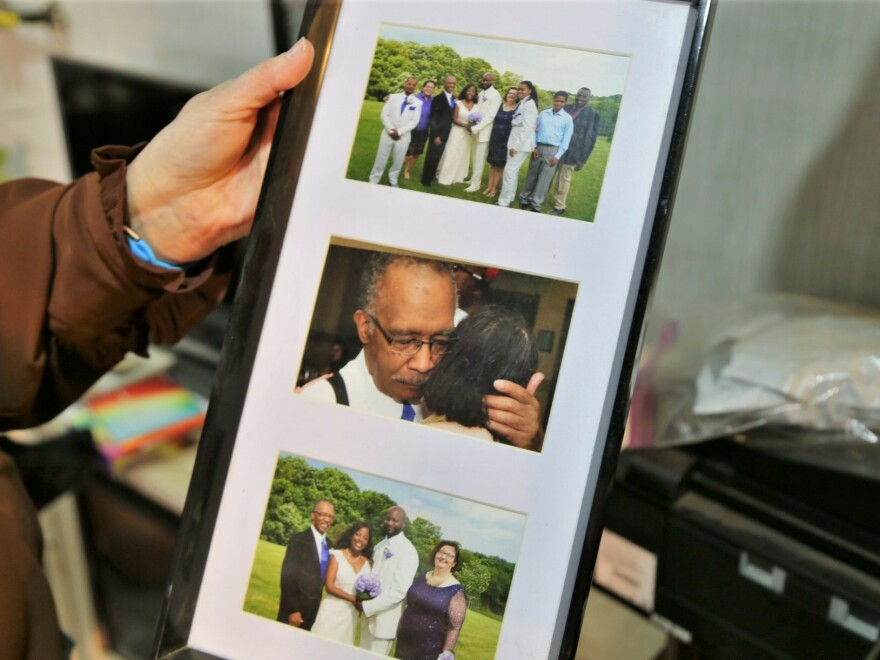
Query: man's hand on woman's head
{"points": [[516, 413], [194, 187]]}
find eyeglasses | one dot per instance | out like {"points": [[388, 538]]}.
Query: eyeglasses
{"points": [[328, 516], [448, 555], [476, 276], [410, 347]]}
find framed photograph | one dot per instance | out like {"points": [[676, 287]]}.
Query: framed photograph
{"points": [[423, 390]]}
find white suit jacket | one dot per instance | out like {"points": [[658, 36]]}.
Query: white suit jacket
{"points": [[396, 573], [405, 121], [522, 131], [489, 102]]}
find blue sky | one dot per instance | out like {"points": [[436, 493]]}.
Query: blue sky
{"points": [[549, 67], [477, 527]]}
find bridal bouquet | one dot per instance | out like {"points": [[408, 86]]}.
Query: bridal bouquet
{"points": [[475, 117], [367, 586]]}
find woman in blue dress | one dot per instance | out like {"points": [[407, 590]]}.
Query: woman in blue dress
{"points": [[435, 610], [497, 154]]}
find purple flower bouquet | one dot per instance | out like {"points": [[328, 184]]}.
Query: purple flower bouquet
{"points": [[367, 586], [475, 117]]}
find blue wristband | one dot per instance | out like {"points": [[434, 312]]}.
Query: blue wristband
{"points": [[142, 250]]}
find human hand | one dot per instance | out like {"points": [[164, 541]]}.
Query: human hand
{"points": [[394, 134], [578, 166], [358, 605], [438, 141], [554, 161], [194, 187], [536, 154], [516, 413], [295, 619], [512, 152]]}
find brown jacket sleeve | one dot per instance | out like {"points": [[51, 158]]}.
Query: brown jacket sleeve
{"points": [[73, 299], [28, 623]]}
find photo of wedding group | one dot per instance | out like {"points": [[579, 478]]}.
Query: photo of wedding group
{"points": [[460, 347], [402, 571], [512, 123]]}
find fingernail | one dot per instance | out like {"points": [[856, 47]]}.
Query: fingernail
{"points": [[297, 48]]}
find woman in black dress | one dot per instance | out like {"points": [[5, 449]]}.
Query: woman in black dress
{"points": [[497, 155]]}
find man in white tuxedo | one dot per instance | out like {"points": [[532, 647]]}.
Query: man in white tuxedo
{"points": [[521, 142], [488, 102], [400, 115], [395, 561]]}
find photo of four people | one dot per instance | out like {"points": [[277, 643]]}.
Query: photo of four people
{"points": [[364, 573], [464, 126]]}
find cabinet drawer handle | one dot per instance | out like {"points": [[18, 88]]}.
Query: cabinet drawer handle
{"points": [[772, 579], [838, 612]]}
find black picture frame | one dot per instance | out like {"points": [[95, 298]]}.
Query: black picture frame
{"points": [[202, 507]]}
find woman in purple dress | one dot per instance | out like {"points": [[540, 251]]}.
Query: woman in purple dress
{"points": [[435, 609]]}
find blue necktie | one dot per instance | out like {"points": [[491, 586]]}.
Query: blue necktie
{"points": [[409, 413], [325, 557], [403, 106]]}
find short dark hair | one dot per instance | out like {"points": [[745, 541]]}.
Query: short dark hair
{"points": [[561, 93], [464, 91], [433, 82], [453, 544], [493, 343], [379, 263], [345, 538]]}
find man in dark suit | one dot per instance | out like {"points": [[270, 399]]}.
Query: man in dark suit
{"points": [[303, 569], [439, 125]]}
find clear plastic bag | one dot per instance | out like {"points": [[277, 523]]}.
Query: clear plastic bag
{"points": [[771, 359]]}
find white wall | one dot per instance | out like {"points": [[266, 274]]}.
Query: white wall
{"points": [[780, 185], [195, 42]]}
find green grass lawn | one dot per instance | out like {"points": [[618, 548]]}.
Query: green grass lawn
{"points": [[479, 634], [582, 198]]}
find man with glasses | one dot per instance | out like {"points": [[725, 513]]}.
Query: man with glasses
{"points": [[304, 567], [405, 323]]}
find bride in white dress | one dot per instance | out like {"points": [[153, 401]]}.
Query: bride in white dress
{"points": [[337, 616], [457, 155]]}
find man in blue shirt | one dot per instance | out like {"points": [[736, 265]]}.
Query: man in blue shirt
{"points": [[583, 139], [419, 135], [552, 136]]}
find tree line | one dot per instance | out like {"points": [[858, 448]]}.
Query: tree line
{"points": [[296, 486], [395, 61]]}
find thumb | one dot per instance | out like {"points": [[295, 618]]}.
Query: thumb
{"points": [[534, 382], [257, 87]]}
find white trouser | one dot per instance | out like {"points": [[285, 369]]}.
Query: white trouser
{"points": [[480, 149], [511, 176], [388, 147], [374, 644]]}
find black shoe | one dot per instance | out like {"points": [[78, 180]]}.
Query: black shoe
{"points": [[534, 210], [557, 212], [524, 205]]}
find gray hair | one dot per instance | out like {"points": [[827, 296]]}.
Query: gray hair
{"points": [[380, 262]]}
